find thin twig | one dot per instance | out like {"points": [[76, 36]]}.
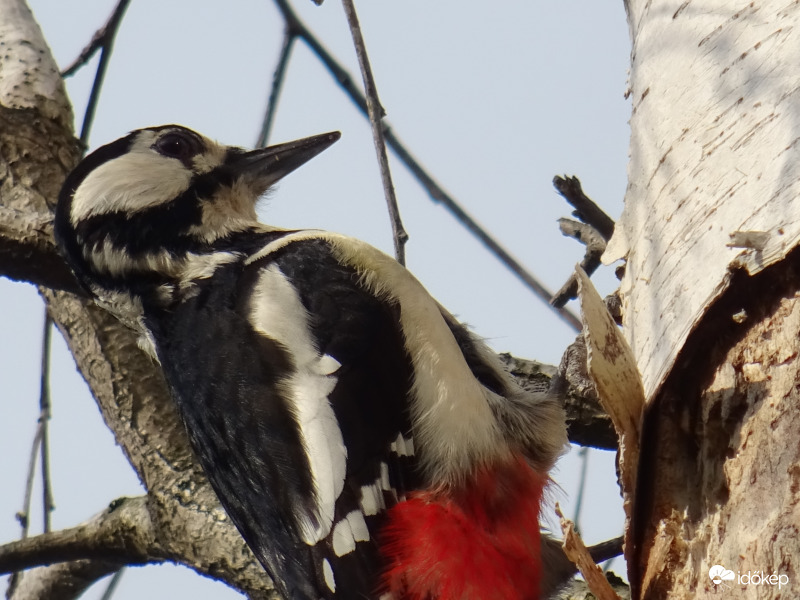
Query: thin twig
{"points": [[376, 113], [434, 190], [44, 419], [39, 447], [106, 47], [113, 584], [438, 194], [278, 78], [99, 40], [583, 453], [595, 246], [24, 516]]}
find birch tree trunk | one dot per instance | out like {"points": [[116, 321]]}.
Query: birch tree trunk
{"points": [[710, 293]]}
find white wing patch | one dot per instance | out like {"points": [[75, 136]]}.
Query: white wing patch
{"points": [[372, 501], [277, 312], [385, 482], [402, 446], [348, 531], [327, 571]]}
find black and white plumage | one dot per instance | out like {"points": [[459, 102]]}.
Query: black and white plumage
{"points": [[318, 381]]}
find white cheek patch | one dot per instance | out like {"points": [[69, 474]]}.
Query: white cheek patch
{"points": [[278, 313], [131, 183]]}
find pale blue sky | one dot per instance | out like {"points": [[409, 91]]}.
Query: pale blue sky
{"points": [[494, 101]]}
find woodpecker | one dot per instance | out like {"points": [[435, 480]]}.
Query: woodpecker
{"points": [[363, 441]]}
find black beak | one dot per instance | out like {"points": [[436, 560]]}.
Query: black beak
{"points": [[263, 167]]}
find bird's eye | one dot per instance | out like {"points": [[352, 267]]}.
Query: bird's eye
{"points": [[175, 145]]}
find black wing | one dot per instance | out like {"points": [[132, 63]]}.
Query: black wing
{"points": [[265, 361]]}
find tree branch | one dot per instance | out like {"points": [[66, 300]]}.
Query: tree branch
{"points": [[28, 252], [594, 231], [595, 246], [375, 113], [585, 208], [587, 423], [277, 84], [61, 581], [37, 149], [123, 534], [100, 40]]}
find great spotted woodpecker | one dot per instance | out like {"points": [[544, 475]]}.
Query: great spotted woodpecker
{"points": [[365, 443]]}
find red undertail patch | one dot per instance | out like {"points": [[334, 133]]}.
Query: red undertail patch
{"points": [[481, 542]]}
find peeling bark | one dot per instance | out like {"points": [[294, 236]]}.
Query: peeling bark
{"points": [[725, 434]]}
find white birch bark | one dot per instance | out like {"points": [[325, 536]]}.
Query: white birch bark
{"points": [[712, 195], [714, 151]]}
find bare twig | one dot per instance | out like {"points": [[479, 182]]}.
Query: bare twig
{"points": [[435, 191], [595, 246], [112, 584], [24, 516], [277, 84], [583, 454], [99, 40], [39, 447], [594, 231], [438, 194], [376, 113], [44, 419], [106, 45], [585, 208]]}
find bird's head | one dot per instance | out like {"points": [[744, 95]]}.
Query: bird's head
{"points": [[144, 202]]}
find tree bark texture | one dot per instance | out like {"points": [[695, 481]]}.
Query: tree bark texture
{"points": [[710, 295], [714, 151], [722, 482]]}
